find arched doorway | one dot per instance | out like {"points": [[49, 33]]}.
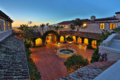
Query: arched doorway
{"points": [[61, 39], [74, 39], [79, 40], [94, 44], [86, 41], [50, 36], [38, 42]]}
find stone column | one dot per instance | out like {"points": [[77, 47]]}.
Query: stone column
{"points": [[6, 25], [2, 26]]}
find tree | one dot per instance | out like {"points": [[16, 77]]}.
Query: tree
{"points": [[95, 56], [28, 35], [35, 26], [42, 26], [117, 30], [22, 26], [72, 26], [75, 62], [77, 22], [69, 38], [104, 35], [56, 28]]}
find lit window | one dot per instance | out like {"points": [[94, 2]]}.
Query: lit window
{"points": [[102, 25], [84, 25], [0, 25], [5, 26], [65, 26], [112, 26]]}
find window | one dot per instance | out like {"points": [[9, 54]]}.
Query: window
{"points": [[112, 26], [102, 26], [5, 26], [84, 25], [0, 25]]}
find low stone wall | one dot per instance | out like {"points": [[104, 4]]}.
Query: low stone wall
{"points": [[5, 34], [112, 54]]}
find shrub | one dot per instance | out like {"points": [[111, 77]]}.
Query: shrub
{"points": [[103, 57], [75, 62], [95, 56], [69, 38], [34, 73]]}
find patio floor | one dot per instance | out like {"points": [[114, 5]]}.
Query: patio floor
{"points": [[50, 65]]}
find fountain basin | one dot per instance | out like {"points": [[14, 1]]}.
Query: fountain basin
{"points": [[65, 52]]}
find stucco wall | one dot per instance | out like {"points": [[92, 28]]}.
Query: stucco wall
{"points": [[5, 34]]}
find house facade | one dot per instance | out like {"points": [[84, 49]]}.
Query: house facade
{"points": [[87, 35], [5, 26], [90, 30]]}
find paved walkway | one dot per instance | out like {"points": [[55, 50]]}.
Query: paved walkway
{"points": [[50, 65], [88, 72]]}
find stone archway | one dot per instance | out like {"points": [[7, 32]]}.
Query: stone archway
{"points": [[50, 32]]}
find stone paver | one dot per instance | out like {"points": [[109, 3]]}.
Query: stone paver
{"points": [[13, 60], [49, 64], [88, 72]]}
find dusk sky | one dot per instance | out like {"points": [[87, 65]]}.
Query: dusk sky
{"points": [[54, 11]]}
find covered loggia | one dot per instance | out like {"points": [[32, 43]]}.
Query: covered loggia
{"points": [[50, 36], [79, 40], [38, 42], [86, 41], [94, 44], [61, 39]]}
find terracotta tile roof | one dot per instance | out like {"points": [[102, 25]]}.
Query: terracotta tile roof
{"points": [[64, 23], [105, 19], [81, 34], [2, 14]]}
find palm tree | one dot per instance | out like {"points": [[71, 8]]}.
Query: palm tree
{"points": [[35, 26], [42, 26], [47, 25], [72, 26], [117, 30], [56, 28], [77, 22]]}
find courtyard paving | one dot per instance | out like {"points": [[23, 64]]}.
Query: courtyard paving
{"points": [[50, 65]]}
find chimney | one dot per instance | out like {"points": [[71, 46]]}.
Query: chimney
{"points": [[117, 15], [92, 18]]}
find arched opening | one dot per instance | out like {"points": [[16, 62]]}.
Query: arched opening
{"points": [[38, 42], [74, 39], [86, 41], [79, 40], [61, 39], [50, 36], [94, 44]]}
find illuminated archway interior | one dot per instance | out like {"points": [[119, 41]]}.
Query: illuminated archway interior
{"points": [[94, 44], [38, 42], [74, 39], [86, 41], [79, 40], [51, 37], [61, 39]]}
